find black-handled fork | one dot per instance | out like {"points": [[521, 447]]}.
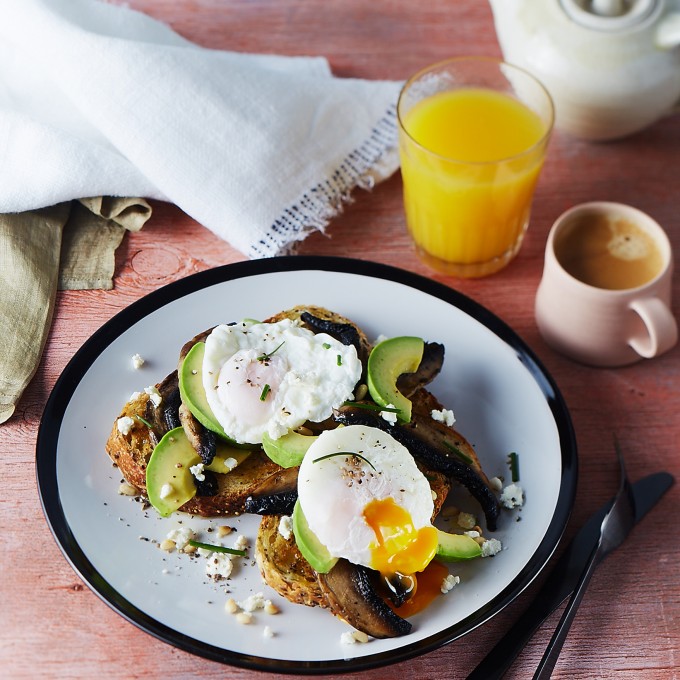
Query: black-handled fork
{"points": [[615, 527]]}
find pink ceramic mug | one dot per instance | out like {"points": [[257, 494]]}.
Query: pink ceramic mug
{"points": [[605, 295]]}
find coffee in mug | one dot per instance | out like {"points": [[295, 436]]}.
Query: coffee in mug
{"points": [[604, 298], [608, 251]]}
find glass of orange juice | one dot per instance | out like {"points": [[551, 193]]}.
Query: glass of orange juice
{"points": [[473, 134]]}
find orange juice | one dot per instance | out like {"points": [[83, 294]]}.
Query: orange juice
{"points": [[470, 160]]}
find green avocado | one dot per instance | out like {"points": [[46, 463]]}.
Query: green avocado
{"points": [[309, 545], [288, 450], [456, 547], [169, 482], [386, 362], [192, 392], [227, 454]]}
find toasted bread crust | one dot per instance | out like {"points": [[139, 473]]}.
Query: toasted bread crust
{"points": [[131, 452], [283, 567]]}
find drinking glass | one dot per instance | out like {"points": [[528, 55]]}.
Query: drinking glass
{"points": [[473, 135]]}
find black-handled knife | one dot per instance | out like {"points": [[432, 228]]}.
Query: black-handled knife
{"points": [[561, 581]]}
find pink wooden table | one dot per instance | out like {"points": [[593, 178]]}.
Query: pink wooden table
{"points": [[628, 624]]}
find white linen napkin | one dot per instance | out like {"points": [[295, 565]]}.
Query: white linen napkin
{"points": [[97, 99]]}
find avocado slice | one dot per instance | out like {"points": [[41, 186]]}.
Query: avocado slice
{"points": [[192, 392], [169, 482], [288, 450], [224, 453], [386, 362], [309, 545], [456, 547]]}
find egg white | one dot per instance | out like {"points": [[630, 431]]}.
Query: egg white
{"points": [[303, 377], [334, 492]]}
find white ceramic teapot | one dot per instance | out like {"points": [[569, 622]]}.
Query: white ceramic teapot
{"points": [[611, 66]]}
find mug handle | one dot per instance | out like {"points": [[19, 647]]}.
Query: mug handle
{"points": [[661, 327]]}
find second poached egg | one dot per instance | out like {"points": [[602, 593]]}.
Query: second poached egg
{"points": [[365, 499]]}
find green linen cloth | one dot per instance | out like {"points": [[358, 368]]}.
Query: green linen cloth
{"points": [[70, 246]]}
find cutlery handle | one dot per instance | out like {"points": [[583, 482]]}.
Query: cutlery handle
{"points": [[552, 652], [496, 663], [562, 579]]}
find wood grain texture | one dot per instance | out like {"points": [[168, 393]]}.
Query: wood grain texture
{"points": [[627, 627]]}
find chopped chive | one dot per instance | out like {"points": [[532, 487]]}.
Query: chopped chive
{"points": [[326, 345], [146, 422], [265, 391], [454, 449], [344, 453], [339, 360], [372, 407], [267, 355], [217, 548], [513, 459]]}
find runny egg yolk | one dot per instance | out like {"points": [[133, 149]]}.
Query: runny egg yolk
{"points": [[399, 547]]}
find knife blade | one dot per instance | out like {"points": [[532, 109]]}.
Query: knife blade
{"points": [[563, 578]]}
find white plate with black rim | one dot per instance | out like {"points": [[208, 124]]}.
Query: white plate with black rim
{"points": [[503, 399]]}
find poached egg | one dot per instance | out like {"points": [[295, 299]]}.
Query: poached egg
{"points": [[273, 377], [365, 499]]}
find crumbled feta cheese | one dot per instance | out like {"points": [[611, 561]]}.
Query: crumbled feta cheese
{"points": [[449, 583], [154, 395], [512, 496], [166, 490], [125, 424], [197, 471], [204, 552], [218, 566], [253, 602], [389, 416], [180, 536], [472, 534], [352, 637], [444, 416], [267, 632], [496, 484], [491, 547], [225, 464], [466, 520], [137, 361], [241, 542], [134, 396], [286, 527]]}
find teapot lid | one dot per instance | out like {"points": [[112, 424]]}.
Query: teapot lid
{"points": [[608, 15]]}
